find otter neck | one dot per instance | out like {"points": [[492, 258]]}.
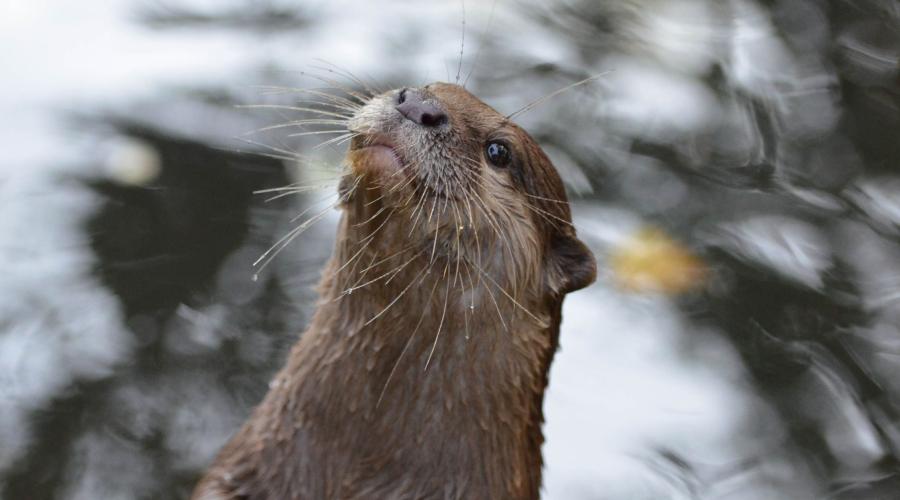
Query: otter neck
{"points": [[431, 372]]}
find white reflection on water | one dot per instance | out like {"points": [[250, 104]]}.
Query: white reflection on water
{"points": [[57, 324]]}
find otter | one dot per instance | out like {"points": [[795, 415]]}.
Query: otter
{"points": [[422, 373]]}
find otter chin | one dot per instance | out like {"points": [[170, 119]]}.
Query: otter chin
{"points": [[422, 373]]}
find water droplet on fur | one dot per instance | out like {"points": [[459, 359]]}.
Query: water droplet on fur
{"points": [[349, 291], [255, 277]]}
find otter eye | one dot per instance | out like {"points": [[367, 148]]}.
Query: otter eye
{"points": [[402, 97], [498, 154]]}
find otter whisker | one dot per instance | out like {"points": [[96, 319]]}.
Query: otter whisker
{"points": [[424, 272], [330, 106], [471, 309], [481, 46], [376, 200], [367, 90], [537, 102], [495, 225], [418, 211], [373, 217], [431, 212], [345, 139], [354, 259], [335, 100], [438, 228], [437, 335], [372, 89], [403, 185], [277, 126], [286, 155], [407, 199], [369, 239], [434, 246], [297, 158], [362, 98], [564, 202], [291, 155], [337, 140], [411, 335], [394, 272], [294, 191], [469, 213], [317, 121], [547, 214], [311, 206], [510, 297], [415, 163], [274, 156], [350, 94], [360, 275], [489, 217], [462, 44], [392, 255], [283, 243], [468, 268], [304, 123], [306, 109], [296, 188], [318, 132], [419, 192], [496, 305], [446, 200], [475, 176], [478, 254], [458, 239]]}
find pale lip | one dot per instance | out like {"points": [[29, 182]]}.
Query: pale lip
{"points": [[378, 158]]}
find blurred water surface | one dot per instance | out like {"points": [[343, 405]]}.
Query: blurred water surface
{"points": [[735, 167]]}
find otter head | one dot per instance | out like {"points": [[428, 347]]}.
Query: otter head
{"points": [[461, 182]]}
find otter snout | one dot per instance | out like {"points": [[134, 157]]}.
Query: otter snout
{"points": [[413, 105]]}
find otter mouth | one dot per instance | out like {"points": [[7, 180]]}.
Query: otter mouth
{"points": [[379, 157], [376, 155]]}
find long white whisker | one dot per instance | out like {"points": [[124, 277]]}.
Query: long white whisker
{"points": [[462, 44], [481, 46], [283, 243], [555, 93], [437, 336], [409, 341]]}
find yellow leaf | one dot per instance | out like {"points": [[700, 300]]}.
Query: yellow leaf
{"points": [[650, 261]]}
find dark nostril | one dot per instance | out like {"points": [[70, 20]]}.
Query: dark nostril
{"points": [[434, 119], [412, 105]]}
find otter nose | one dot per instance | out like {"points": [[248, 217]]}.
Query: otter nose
{"points": [[412, 105]]}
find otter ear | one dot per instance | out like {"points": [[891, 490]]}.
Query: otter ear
{"points": [[572, 265]]}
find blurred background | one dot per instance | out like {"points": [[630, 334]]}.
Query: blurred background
{"points": [[736, 168]]}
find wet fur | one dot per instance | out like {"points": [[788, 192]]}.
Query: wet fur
{"points": [[423, 371]]}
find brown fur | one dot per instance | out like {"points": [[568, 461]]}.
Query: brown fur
{"points": [[423, 372]]}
